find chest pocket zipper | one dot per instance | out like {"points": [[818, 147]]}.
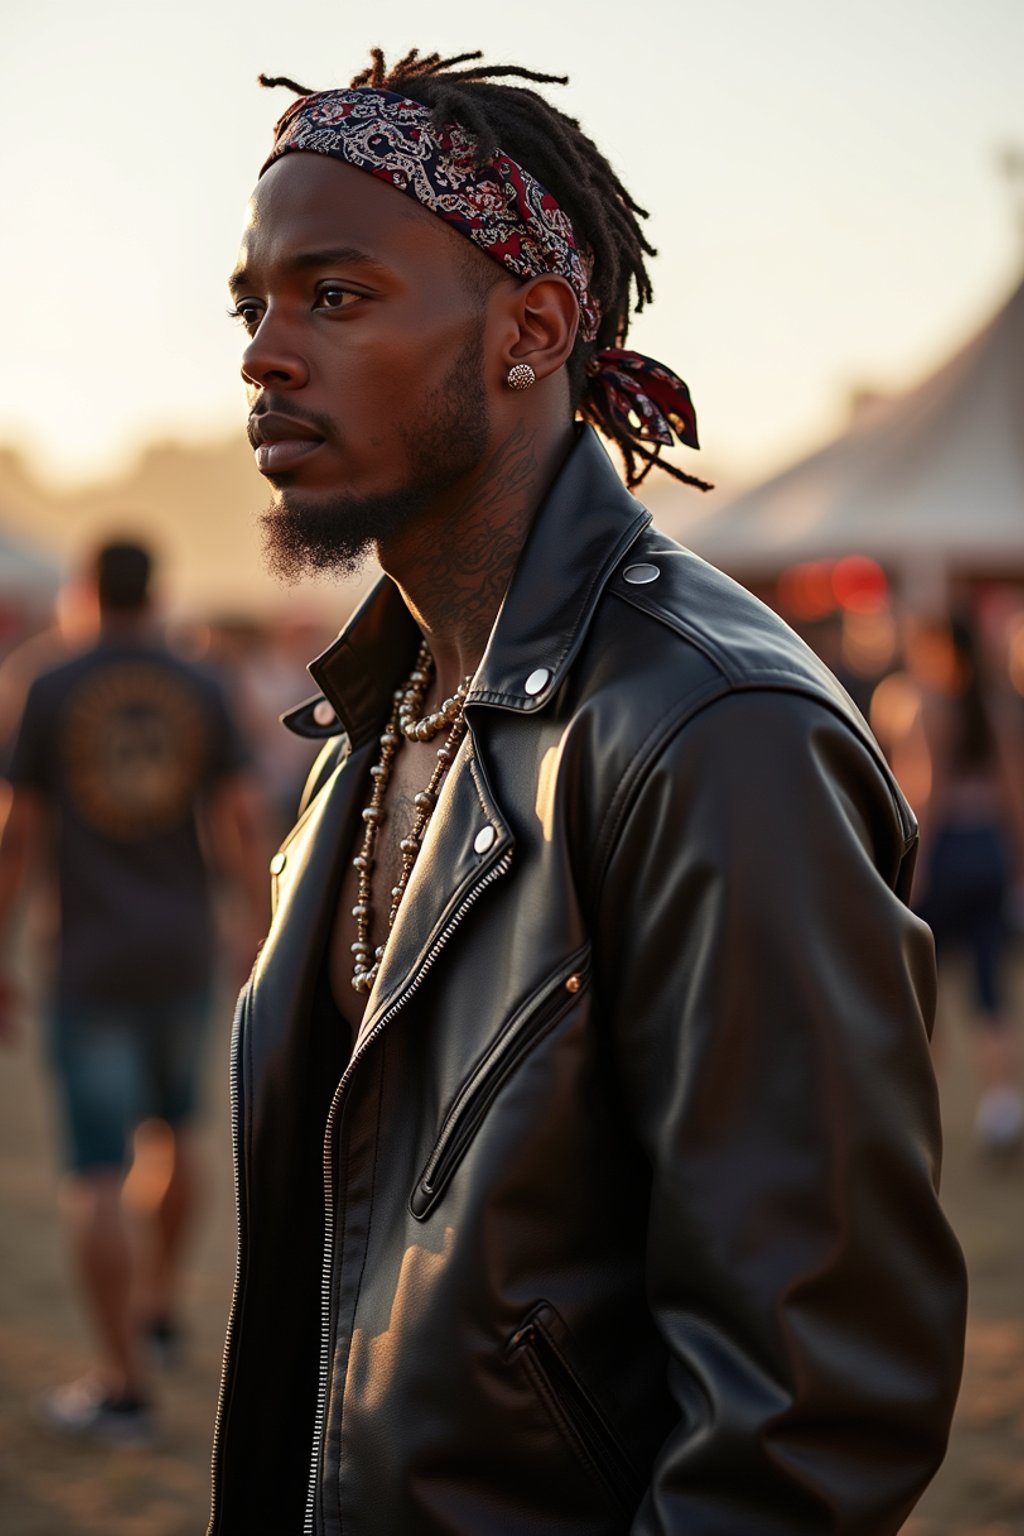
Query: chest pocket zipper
{"points": [[572, 1407], [539, 1015]]}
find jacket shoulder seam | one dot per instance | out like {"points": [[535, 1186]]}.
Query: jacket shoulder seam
{"points": [[773, 678], [661, 735], [717, 655], [656, 739]]}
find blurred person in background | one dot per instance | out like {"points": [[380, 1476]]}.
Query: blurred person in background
{"points": [[128, 774], [972, 847]]}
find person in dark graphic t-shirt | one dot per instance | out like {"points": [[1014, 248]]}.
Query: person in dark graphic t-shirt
{"points": [[123, 752]]}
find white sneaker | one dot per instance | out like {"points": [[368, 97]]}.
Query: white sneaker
{"points": [[84, 1409]]}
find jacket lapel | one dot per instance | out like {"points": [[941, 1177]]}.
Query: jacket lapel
{"points": [[306, 874]]}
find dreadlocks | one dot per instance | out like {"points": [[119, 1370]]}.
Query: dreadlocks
{"points": [[559, 154]]}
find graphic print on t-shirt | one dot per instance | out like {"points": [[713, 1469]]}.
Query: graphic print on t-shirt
{"points": [[133, 747]]}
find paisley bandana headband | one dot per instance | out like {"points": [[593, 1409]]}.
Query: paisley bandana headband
{"points": [[499, 206], [506, 212]]}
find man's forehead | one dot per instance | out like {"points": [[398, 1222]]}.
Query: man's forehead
{"points": [[309, 202], [304, 188]]}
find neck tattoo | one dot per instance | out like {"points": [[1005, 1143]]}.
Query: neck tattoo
{"points": [[405, 721]]}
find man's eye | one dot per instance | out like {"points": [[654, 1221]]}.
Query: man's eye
{"points": [[334, 296], [247, 312]]}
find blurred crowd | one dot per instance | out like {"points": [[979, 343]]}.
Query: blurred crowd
{"points": [[942, 685]]}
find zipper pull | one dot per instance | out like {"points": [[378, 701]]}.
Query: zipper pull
{"points": [[522, 1336]]}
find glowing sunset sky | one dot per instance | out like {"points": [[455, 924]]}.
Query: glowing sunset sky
{"points": [[822, 179]]}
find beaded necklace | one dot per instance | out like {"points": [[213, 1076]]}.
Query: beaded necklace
{"points": [[405, 720]]}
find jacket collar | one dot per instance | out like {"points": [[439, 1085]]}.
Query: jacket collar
{"points": [[583, 528]]}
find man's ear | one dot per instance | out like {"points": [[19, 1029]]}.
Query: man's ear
{"points": [[543, 320]]}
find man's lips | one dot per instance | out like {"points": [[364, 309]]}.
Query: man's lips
{"points": [[272, 458], [281, 441]]}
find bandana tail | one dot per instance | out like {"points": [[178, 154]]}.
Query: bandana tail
{"points": [[646, 399]]}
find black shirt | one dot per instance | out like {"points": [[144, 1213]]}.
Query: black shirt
{"points": [[124, 741]]}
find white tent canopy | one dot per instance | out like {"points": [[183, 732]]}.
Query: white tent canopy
{"points": [[935, 474]]}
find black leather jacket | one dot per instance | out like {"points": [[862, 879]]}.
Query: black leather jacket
{"points": [[625, 1216]]}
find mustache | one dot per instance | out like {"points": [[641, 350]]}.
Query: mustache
{"points": [[279, 405]]}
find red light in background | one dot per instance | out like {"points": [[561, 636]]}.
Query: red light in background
{"points": [[859, 584]]}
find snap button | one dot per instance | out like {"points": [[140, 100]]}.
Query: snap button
{"points": [[484, 839], [573, 984], [640, 575], [323, 713], [278, 863], [538, 680]]}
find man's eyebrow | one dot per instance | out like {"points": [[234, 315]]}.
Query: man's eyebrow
{"points": [[304, 261]]}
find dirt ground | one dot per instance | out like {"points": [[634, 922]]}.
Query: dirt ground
{"points": [[50, 1488]]}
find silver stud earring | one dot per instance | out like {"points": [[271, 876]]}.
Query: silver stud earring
{"points": [[521, 376]]}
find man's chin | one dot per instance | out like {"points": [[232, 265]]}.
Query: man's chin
{"points": [[302, 538], [333, 534]]}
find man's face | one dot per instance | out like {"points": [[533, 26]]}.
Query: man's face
{"points": [[365, 368]]}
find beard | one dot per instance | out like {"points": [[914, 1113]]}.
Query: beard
{"points": [[446, 441]]}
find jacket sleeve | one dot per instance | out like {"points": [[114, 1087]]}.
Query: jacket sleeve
{"points": [[771, 997]]}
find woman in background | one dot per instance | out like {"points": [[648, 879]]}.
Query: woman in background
{"points": [[970, 851]]}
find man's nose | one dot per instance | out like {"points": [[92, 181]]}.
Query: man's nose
{"points": [[271, 360]]}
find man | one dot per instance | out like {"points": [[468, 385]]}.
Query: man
{"points": [[586, 1136], [121, 749]]}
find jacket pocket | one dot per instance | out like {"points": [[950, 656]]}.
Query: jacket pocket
{"points": [[540, 1343], [539, 1014]]}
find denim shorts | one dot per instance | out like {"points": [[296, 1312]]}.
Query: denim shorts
{"points": [[118, 1064]]}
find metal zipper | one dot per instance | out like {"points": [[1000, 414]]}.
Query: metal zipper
{"points": [[499, 869], [463, 1122], [234, 1071], [599, 1447]]}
